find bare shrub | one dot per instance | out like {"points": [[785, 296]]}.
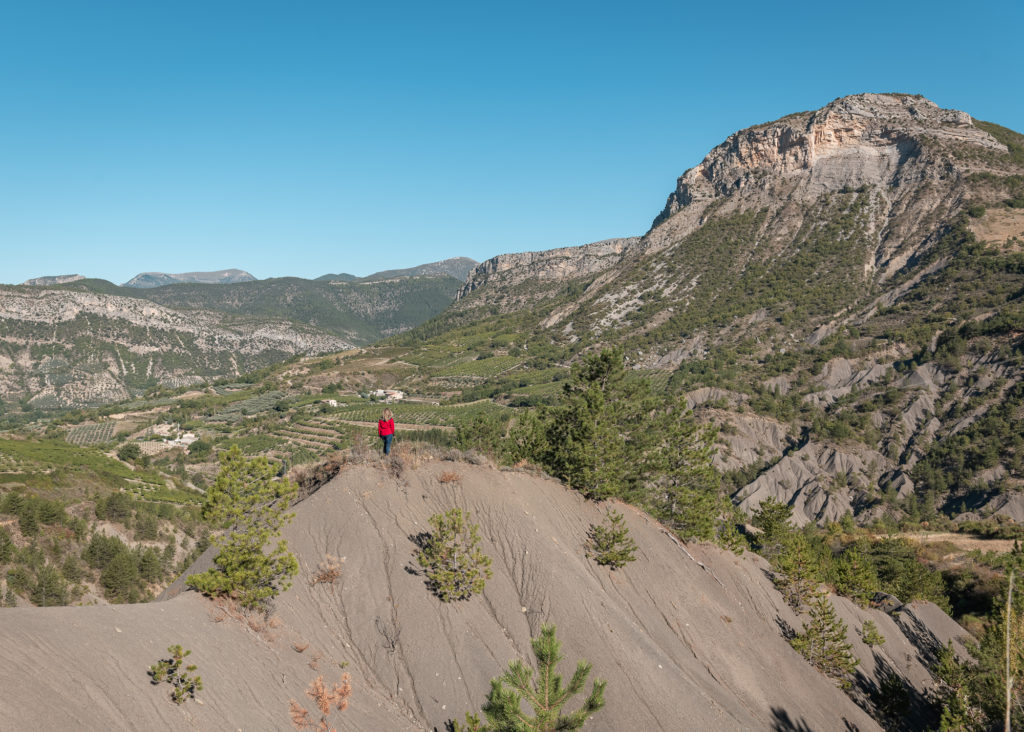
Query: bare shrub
{"points": [[396, 463], [328, 571], [310, 478], [361, 450], [389, 632], [326, 699], [259, 622], [449, 476]]}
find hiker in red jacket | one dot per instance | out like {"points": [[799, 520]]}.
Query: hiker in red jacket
{"points": [[386, 429]]}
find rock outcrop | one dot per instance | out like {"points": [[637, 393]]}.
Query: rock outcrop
{"points": [[552, 265]]}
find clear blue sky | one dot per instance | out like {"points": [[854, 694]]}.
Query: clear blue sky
{"points": [[301, 138]]}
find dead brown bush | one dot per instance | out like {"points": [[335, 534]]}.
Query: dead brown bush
{"points": [[327, 699], [449, 477], [328, 571]]}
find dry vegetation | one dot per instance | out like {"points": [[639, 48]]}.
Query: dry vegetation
{"points": [[328, 571]]}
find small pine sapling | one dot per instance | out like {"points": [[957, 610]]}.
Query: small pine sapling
{"points": [[546, 694], [327, 699], [184, 684], [610, 544], [823, 642], [870, 635], [456, 569]]}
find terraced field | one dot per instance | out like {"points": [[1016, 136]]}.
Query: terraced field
{"points": [[236, 411], [91, 434], [313, 435], [421, 414], [484, 368]]}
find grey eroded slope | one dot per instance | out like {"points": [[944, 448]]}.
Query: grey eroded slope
{"points": [[682, 647]]}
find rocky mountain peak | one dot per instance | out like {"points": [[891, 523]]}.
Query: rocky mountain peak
{"points": [[895, 144]]}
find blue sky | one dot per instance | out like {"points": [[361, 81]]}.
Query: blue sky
{"points": [[304, 138]]}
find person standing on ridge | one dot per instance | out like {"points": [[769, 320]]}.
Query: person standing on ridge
{"points": [[386, 429]]}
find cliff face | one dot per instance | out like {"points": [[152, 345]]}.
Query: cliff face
{"points": [[898, 145], [553, 265]]}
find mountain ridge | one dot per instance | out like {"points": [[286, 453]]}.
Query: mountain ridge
{"points": [[849, 273], [160, 279]]}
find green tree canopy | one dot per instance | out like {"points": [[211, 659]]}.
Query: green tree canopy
{"points": [[251, 506]]}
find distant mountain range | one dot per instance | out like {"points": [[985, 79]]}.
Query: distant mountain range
{"points": [[72, 341], [457, 267], [159, 279]]}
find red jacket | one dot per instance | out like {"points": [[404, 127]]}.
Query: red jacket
{"points": [[385, 427]]}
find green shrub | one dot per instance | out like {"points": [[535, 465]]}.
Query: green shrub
{"points": [[129, 452], [610, 544], [456, 569], [184, 684]]}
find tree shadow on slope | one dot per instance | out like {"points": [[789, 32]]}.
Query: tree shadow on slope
{"points": [[782, 722], [921, 637], [890, 700]]}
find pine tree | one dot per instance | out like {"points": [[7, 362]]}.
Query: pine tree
{"points": [[823, 642], [184, 683], [252, 506], [953, 695], [855, 577], [6, 546], [589, 436], [870, 635], [610, 544], [456, 569], [50, 588], [120, 578], [773, 518], [547, 696], [611, 436], [796, 571]]}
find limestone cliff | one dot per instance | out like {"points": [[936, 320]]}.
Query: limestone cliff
{"points": [[552, 265]]}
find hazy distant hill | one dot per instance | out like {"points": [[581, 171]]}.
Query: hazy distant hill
{"points": [[52, 280], [457, 267], [158, 279], [68, 348], [90, 341], [360, 312]]}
